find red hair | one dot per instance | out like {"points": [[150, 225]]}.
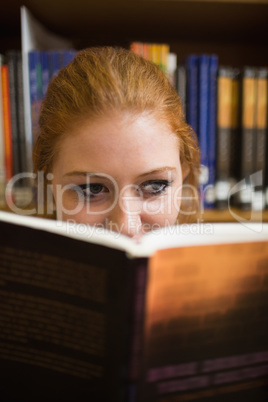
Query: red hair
{"points": [[101, 80]]}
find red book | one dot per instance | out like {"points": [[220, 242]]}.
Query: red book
{"points": [[7, 121]]}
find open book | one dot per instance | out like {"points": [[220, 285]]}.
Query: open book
{"points": [[89, 315]]}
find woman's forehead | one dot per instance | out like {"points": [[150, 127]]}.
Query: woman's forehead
{"points": [[138, 145]]}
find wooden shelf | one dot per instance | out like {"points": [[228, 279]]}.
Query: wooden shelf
{"points": [[235, 30], [234, 215]]}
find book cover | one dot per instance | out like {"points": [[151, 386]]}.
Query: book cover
{"points": [[91, 314], [36, 90], [171, 68], [203, 106], [165, 52], [260, 136], [224, 134], [45, 71], [210, 194], [13, 87], [7, 122], [21, 118], [2, 145], [248, 128], [192, 91], [235, 151], [181, 86], [68, 56]]}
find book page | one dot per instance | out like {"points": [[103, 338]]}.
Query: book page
{"points": [[78, 231], [206, 327], [195, 234], [167, 237]]}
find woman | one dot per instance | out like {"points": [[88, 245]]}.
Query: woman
{"points": [[114, 144]]}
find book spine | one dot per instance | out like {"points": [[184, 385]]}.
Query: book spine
{"points": [[2, 145], [224, 101], [192, 92], [21, 121], [154, 53], [45, 72], [54, 63], [137, 47], [181, 86], [235, 126], [203, 118], [13, 85], [171, 69], [261, 133], [165, 51], [210, 197], [68, 56], [248, 135], [36, 90], [7, 122], [145, 50]]}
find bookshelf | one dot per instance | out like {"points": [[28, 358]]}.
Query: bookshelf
{"points": [[230, 216], [235, 30]]}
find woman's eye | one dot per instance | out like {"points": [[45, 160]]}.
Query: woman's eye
{"points": [[154, 187], [91, 190]]}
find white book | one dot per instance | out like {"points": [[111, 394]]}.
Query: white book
{"points": [[34, 36]]}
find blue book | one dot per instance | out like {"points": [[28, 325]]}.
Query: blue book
{"points": [[212, 131], [36, 89], [54, 63], [203, 106], [192, 91], [68, 56], [45, 71], [203, 118]]}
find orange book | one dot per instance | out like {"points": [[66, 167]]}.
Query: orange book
{"points": [[7, 121], [146, 51]]}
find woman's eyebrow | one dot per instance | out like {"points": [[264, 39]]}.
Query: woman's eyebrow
{"points": [[81, 173], [150, 172], [159, 170]]}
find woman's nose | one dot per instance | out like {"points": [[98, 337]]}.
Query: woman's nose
{"points": [[125, 217]]}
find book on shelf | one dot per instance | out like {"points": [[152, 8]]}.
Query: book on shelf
{"points": [[2, 144], [253, 137], [34, 36], [7, 121], [88, 314], [191, 65], [235, 145], [36, 90], [20, 111], [181, 86], [207, 96], [13, 85], [210, 194], [248, 104], [227, 157], [159, 54], [201, 100], [261, 158]]}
